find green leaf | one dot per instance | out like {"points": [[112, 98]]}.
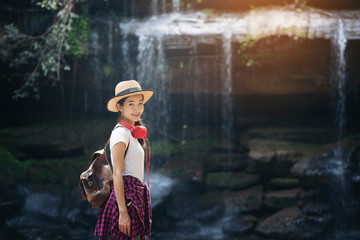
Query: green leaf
{"points": [[250, 62]]}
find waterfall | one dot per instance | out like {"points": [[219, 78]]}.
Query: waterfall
{"points": [[201, 108], [132, 15], [150, 73], [176, 5], [163, 6], [154, 7], [110, 63], [227, 105], [128, 68], [97, 72], [341, 187], [338, 81]]}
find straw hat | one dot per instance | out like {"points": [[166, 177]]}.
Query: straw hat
{"points": [[126, 89]]}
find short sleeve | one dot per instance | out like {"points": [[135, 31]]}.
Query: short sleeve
{"points": [[119, 135]]}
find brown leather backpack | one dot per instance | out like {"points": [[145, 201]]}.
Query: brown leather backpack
{"points": [[96, 182]]}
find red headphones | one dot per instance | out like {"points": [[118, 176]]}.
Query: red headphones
{"points": [[140, 132]]}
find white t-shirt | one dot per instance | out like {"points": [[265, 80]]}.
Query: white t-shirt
{"points": [[134, 159]]}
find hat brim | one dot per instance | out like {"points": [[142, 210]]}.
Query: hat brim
{"points": [[111, 105]]}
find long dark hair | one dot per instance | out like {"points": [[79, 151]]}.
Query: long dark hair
{"points": [[138, 123]]}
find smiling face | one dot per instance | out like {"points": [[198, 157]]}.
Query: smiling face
{"points": [[132, 108]]}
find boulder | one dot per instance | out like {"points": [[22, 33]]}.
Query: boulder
{"points": [[235, 202], [236, 226], [316, 209], [274, 157], [291, 223], [317, 170], [230, 180], [284, 198]]}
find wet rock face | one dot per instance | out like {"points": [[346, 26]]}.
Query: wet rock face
{"points": [[320, 169], [237, 226], [234, 202], [284, 198], [291, 223], [274, 157]]}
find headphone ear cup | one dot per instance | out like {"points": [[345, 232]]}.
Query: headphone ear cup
{"points": [[139, 132]]}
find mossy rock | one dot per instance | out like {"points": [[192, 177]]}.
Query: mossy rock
{"points": [[58, 136], [188, 166], [11, 169], [230, 180], [284, 198]]}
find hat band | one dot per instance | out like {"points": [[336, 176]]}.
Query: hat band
{"points": [[129, 90]]}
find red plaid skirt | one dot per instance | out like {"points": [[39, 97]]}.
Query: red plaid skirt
{"points": [[139, 211]]}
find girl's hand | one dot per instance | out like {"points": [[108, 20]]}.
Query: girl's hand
{"points": [[124, 222]]}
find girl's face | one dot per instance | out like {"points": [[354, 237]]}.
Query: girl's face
{"points": [[132, 108]]}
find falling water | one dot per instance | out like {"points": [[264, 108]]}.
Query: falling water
{"points": [[97, 72], [163, 6], [227, 106], [132, 8], [338, 81], [128, 68], [176, 5], [341, 188], [154, 7], [110, 52], [150, 72]]}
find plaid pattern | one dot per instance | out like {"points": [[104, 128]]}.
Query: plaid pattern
{"points": [[139, 211]]}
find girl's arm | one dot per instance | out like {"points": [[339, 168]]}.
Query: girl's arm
{"points": [[118, 152]]}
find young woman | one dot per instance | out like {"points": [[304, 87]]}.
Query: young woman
{"points": [[127, 214]]}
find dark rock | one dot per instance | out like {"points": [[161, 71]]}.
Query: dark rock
{"points": [[184, 201], [236, 226], [187, 167], [274, 157], [315, 209], [188, 226], [284, 183], [318, 170], [283, 198], [12, 198], [210, 214], [230, 180], [290, 223], [235, 202], [232, 162]]}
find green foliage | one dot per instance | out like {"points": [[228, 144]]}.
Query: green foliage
{"points": [[300, 5], [109, 71], [44, 54], [10, 166], [244, 46], [165, 148], [63, 173], [78, 38]]}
